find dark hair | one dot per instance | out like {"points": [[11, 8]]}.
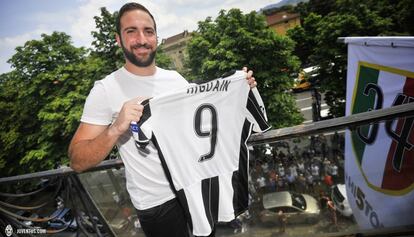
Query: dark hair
{"points": [[129, 7]]}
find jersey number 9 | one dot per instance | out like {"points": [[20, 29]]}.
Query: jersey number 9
{"points": [[212, 133]]}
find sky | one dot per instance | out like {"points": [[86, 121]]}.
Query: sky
{"points": [[23, 20]]}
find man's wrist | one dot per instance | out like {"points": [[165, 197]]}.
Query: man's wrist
{"points": [[113, 131]]}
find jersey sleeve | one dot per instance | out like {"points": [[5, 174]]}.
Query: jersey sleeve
{"points": [[256, 112], [96, 109]]}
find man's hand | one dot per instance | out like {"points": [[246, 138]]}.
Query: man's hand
{"points": [[250, 79], [130, 111]]}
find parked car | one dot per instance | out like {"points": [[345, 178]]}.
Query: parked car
{"points": [[340, 200], [298, 208], [301, 85], [305, 79]]}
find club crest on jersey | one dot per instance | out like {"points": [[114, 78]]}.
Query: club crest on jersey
{"points": [[215, 85], [384, 148]]}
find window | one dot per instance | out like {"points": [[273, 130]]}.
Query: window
{"points": [[298, 201]]}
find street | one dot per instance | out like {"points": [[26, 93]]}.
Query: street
{"points": [[304, 103]]}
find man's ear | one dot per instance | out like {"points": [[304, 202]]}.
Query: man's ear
{"points": [[118, 39]]}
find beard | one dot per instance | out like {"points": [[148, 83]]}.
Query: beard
{"points": [[134, 59]]}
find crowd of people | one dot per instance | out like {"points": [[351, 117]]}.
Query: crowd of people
{"points": [[309, 167]]}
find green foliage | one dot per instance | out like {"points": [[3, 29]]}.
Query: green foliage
{"points": [[323, 22], [305, 42], [234, 40], [162, 59], [104, 43], [41, 102]]}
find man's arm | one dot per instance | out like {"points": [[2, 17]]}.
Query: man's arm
{"points": [[92, 143]]}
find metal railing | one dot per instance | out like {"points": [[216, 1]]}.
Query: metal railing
{"points": [[94, 221]]}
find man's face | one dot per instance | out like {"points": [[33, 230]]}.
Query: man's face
{"points": [[138, 38]]}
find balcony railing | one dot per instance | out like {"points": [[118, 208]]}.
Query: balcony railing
{"points": [[96, 203]]}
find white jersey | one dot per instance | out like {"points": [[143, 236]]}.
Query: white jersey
{"points": [[201, 133], [146, 182]]}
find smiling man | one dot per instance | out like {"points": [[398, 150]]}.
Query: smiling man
{"points": [[110, 108], [138, 39]]}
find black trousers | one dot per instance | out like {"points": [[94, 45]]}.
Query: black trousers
{"points": [[165, 220]]}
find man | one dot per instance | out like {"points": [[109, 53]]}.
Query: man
{"points": [[332, 212], [282, 221], [111, 107]]}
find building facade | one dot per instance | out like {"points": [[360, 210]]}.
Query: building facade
{"points": [[175, 47], [281, 20]]}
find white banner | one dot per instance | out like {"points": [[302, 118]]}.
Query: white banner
{"points": [[379, 158]]}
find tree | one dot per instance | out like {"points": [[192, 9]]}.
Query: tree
{"points": [[41, 102], [305, 42], [323, 24], [234, 40], [163, 60], [104, 43]]}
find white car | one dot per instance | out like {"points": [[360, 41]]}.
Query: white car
{"points": [[298, 208], [340, 200]]}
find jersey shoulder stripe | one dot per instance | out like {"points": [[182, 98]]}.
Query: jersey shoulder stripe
{"points": [[256, 110]]}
